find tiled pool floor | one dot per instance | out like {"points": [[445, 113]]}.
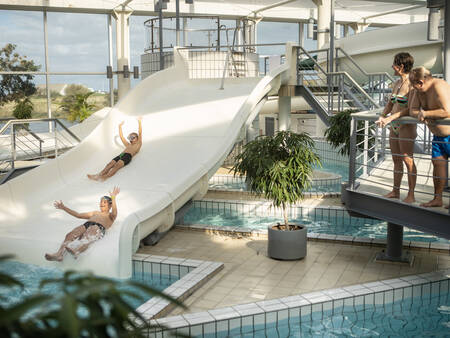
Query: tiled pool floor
{"points": [[250, 276]]}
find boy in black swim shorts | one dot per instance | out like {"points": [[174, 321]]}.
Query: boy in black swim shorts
{"points": [[132, 147]]}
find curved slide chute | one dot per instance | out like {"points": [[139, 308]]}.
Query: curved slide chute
{"points": [[189, 126]]}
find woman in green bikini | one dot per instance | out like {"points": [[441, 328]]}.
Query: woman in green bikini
{"points": [[132, 146], [401, 136]]}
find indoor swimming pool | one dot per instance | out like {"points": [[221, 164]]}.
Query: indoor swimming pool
{"points": [[258, 216], [31, 276]]}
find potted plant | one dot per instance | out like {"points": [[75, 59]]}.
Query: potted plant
{"points": [[280, 168]]}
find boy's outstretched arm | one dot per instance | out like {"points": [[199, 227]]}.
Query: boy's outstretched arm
{"points": [[84, 215], [113, 194], [124, 140], [140, 127]]}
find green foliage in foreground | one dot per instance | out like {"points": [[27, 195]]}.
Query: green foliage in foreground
{"points": [[86, 306], [279, 167], [23, 109]]}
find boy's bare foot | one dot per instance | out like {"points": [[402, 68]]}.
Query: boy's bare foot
{"points": [[409, 199], [435, 202], [54, 257], [392, 194], [92, 177]]}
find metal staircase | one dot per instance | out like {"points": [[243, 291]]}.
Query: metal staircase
{"points": [[328, 92]]}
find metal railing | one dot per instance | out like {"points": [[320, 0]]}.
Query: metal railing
{"points": [[18, 141], [335, 91], [371, 167], [375, 84]]}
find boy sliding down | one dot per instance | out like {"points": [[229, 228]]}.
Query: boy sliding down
{"points": [[131, 148], [79, 239]]}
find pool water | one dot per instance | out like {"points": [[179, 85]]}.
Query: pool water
{"points": [[316, 223], [238, 183], [31, 275], [411, 317]]}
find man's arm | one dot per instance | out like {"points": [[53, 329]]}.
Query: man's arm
{"points": [[414, 106], [124, 140], [442, 98], [113, 213], [84, 215]]}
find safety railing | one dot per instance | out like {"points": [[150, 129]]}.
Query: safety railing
{"points": [[335, 91], [375, 84], [19, 140], [373, 164]]}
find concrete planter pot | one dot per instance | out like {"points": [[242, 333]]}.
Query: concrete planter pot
{"points": [[287, 245]]}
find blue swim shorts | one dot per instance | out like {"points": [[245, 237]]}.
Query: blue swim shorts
{"points": [[441, 146]]}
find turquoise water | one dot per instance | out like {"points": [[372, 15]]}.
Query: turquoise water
{"points": [[412, 317], [339, 169], [317, 222], [31, 275]]}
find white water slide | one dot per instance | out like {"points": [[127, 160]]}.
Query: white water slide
{"points": [[189, 126]]}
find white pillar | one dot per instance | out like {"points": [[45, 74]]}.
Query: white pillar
{"points": [[253, 129], [301, 34], [185, 26], [122, 17], [284, 113], [323, 21]]}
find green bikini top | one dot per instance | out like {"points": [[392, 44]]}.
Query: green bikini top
{"points": [[401, 100]]}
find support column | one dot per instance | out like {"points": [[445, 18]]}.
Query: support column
{"points": [[323, 21], [110, 59], [284, 107], [447, 42], [284, 113], [122, 17], [253, 129], [185, 38], [177, 21], [47, 81], [323, 30], [301, 34], [394, 246]]}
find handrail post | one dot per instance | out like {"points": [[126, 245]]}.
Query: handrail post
{"points": [[13, 145], [352, 159], [366, 146], [56, 140]]}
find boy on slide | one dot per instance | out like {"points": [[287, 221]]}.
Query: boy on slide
{"points": [[132, 147], [79, 239]]}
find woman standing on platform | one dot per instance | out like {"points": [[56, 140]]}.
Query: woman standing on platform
{"points": [[401, 136]]}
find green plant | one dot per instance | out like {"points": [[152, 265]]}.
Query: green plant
{"points": [[278, 167], [86, 306], [338, 133], [78, 106], [23, 109]]}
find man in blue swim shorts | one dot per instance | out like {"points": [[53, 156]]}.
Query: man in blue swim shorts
{"points": [[432, 103]]}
